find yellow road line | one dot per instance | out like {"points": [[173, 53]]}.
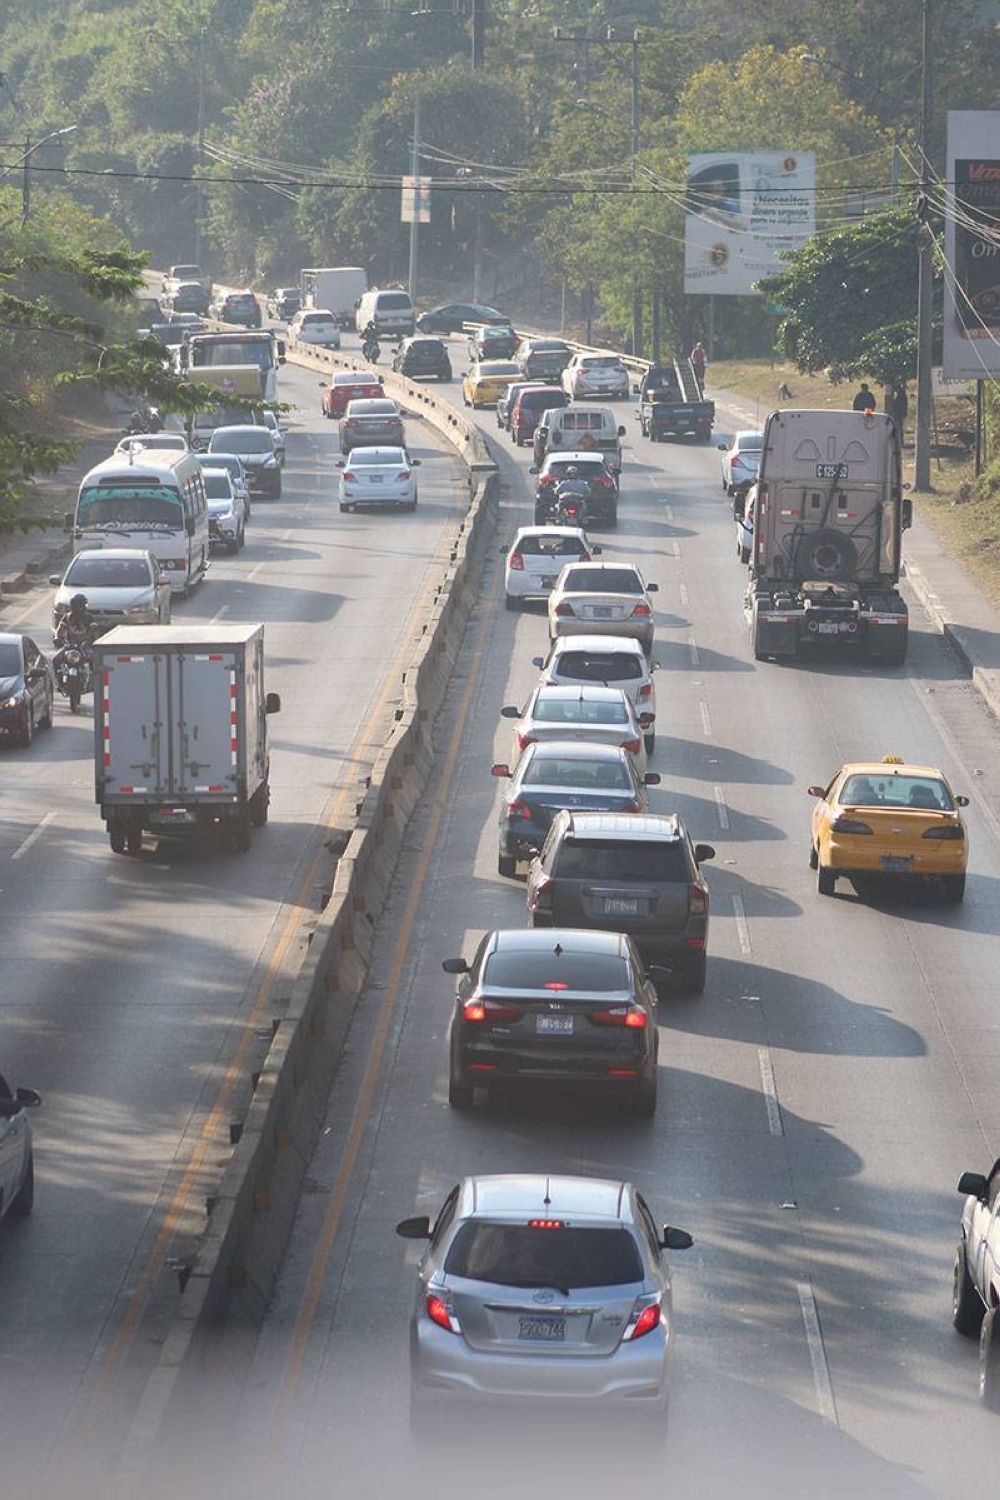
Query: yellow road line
{"points": [[331, 1221]]}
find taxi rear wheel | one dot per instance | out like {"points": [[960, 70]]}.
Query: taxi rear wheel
{"points": [[813, 857], [826, 880], [954, 887]]}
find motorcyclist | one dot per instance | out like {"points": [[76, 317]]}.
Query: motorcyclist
{"points": [[369, 334], [77, 627]]}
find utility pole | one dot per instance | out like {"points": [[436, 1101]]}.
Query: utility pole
{"points": [[26, 182], [417, 201], [478, 34], [925, 293], [199, 198], [478, 63]]}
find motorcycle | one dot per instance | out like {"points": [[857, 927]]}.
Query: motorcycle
{"points": [[73, 673], [570, 508], [143, 422], [371, 350]]}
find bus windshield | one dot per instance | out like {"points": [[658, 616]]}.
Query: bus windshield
{"points": [[238, 350], [152, 506]]}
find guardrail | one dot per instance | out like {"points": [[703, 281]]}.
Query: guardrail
{"points": [[251, 1214]]}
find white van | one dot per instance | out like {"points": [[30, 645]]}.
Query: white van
{"points": [[583, 429], [152, 499], [391, 312]]}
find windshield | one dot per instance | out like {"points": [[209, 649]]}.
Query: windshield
{"points": [[591, 859], [241, 300], [231, 462], [91, 570], [394, 301], [580, 711], [155, 506], [610, 666], [602, 581], [578, 773], [897, 792], [248, 440], [521, 1255], [10, 659], [549, 546], [218, 486]]}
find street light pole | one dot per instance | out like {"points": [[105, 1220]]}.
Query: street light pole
{"points": [[925, 292], [23, 161], [417, 202], [478, 63]]}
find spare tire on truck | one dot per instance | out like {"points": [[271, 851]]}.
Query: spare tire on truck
{"points": [[825, 555]]}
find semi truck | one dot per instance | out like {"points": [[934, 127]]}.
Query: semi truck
{"points": [[829, 516], [181, 742], [242, 362], [338, 289]]}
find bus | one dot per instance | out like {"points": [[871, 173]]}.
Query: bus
{"points": [[150, 498]]}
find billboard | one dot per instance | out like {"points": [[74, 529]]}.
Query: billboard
{"points": [[741, 210], [972, 246]]}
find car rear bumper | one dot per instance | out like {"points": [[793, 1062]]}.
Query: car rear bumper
{"points": [[845, 858]]}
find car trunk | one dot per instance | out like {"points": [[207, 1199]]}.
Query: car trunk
{"points": [[545, 802], [604, 607], [620, 886], [505, 1319]]}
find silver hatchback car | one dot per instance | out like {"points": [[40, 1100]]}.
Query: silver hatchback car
{"points": [[551, 1292]]}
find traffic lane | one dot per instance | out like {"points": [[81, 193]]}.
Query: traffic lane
{"points": [[167, 952]]}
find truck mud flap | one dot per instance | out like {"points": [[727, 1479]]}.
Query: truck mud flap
{"points": [[773, 632], [886, 636]]}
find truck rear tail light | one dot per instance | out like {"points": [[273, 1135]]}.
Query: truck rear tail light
{"points": [[605, 482], [849, 825], [544, 480], [565, 609], [633, 806], [515, 562]]}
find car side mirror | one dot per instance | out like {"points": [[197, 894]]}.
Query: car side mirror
{"points": [[510, 711], [501, 769], [272, 703], [34, 674], [414, 463], [532, 468], [652, 588], [676, 1239], [621, 432], [538, 661], [323, 384], [455, 966], [703, 852], [68, 520], [380, 379], [906, 514], [55, 580], [339, 464], [962, 801], [974, 1185], [816, 791], [721, 447], [651, 778], [28, 1098], [597, 551], [414, 1229], [281, 350]]}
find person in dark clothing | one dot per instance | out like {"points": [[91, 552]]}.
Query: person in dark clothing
{"points": [[898, 406], [865, 399], [699, 360]]}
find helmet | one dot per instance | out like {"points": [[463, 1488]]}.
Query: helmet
{"points": [[572, 472], [78, 603]]}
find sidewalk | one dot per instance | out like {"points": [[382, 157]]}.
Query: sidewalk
{"points": [[956, 606]]}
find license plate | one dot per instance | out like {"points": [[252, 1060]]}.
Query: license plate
{"points": [[545, 1330], [895, 864], [547, 582], [621, 906], [554, 1025], [375, 479], [602, 611], [826, 628]]}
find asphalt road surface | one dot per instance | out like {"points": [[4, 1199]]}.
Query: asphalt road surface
{"points": [[817, 1103], [138, 993]]}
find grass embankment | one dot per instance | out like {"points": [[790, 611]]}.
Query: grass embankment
{"points": [[964, 511]]}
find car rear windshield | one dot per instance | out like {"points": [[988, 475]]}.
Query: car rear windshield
{"points": [[580, 711], [549, 546], [585, 470], [520, 1255], [602, 362], [751, 442], [393, 301], [604, 666], [106, 572], [247, 300], [536, 401], [10, 659], [597, 775], [602, 581], [897, 792], [384, 456], [249, 440], [590, 859], [372, 408], [539, 968]]}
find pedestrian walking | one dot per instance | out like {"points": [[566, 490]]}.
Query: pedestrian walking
{"points": [[699, 359]]}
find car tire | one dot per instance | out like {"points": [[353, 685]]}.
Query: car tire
{"points": [[643, 1101], [459, 1094], [45, 722], [26, 738], [511, 602], [967, 1310], [649, 740], [344, 507], [744, 555], [240, 834], [954, 888], [133, 841], [826, 880], [233, 547], [989, 1362], [73, 694], [506, 866], [695, 975], [259, 804], [813, 857], [25, 1200]]}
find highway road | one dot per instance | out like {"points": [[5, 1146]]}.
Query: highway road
{"points": [[817, 1103], [138, 993]]}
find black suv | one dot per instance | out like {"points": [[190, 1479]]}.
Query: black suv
{"points": [[636, 873], [422, 356]]}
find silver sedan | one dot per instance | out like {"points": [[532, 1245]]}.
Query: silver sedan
{"points": [[123, 585], [601, 715], [610, 597], [548, 1292]]}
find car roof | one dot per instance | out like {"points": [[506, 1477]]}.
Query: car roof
{"points": [[112, 552], [498, 367], [889, 768], [571, 567], [574, 750], [315, 312], [631, 827], [11, 637], [519, 1195], [596, 642], [241, 427]]}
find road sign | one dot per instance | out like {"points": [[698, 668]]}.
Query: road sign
{"points": [[415, 207]]}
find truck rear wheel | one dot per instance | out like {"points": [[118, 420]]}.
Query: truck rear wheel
{"points": [[259, 803], [116, 838], [240, 831], [133, 840]]}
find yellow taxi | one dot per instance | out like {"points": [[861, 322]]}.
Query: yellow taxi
{"points": [[486, 381], [889, 818]]}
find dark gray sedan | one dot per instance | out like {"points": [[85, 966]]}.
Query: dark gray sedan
{"points": [[555, 774]]}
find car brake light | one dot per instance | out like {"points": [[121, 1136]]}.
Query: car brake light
{"points": [[620, 1015], [352, 478], [489, 1010], [644, 1320], [584, 557], [515, 562], [641, 609], [632, 806], [946, 831], [697, 900], [440, 1313], [605, 481], [517, 809], [849, 825], [545, 1223], [546, 479], [403, 474], [646, 690], [564, 609], [632, 746], [524, 739]]}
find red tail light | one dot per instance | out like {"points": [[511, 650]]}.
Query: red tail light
{"points": [[515, 562], [584, 557], [632, 806], [621, 1015], [352, 477], [440, 1313], [849, 825], [524, 739], [697, 901], [546, 479], [489, 1010], [541, 897], [646, 690], [517, 809], [564, 609], [632, 746], [605, 481], [641, 609], [403, 474], [645, 1321]]}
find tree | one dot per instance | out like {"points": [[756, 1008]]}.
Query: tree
{"points": [[850, 300]]}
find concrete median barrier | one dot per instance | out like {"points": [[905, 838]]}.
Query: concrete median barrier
{"points": [[198, 1375]]}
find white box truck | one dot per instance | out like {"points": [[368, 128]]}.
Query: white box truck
{"points": [[181, 745], [338, 289]]}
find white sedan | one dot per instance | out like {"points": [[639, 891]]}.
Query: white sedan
{"points": [[537, 555], [17, 1162], [315, 325], [744, 526], [740, 461], [378, 476]]}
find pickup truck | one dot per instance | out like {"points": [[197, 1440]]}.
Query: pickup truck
{"points": [[671, 404], [976, 1283]]}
